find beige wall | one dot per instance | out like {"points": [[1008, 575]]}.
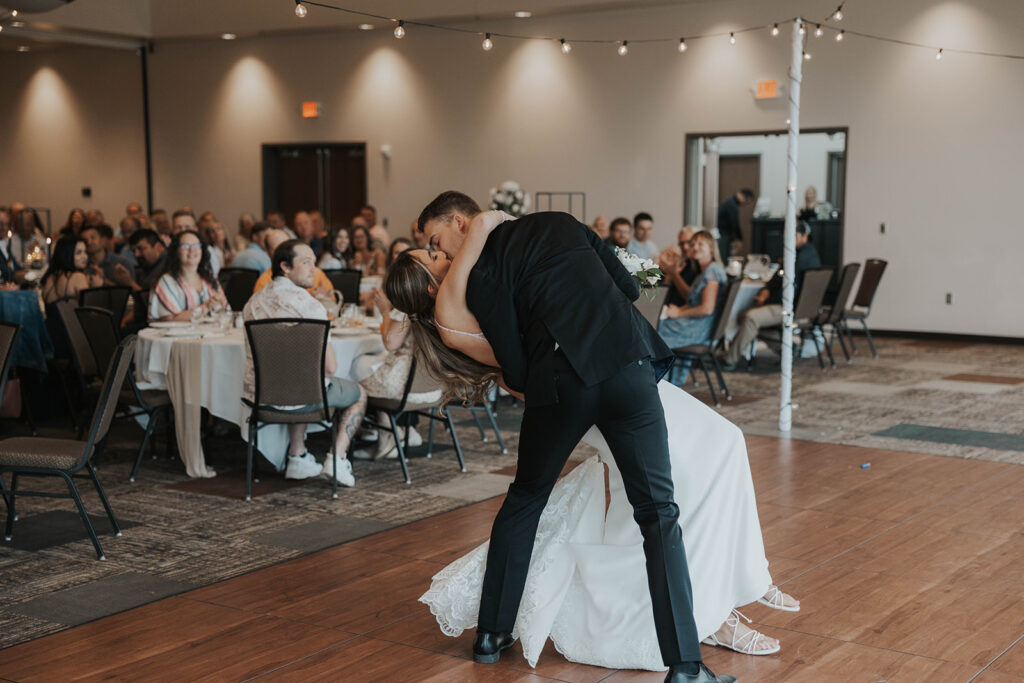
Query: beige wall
{"points": [[934, 147]]}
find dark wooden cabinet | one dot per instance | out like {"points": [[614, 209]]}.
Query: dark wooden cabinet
{"points": [[827, 235]]}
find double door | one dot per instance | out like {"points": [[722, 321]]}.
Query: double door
{"points": [[330, 178]]}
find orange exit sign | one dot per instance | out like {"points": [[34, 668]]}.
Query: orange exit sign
{"points": [[310, 110], [767, 90]]}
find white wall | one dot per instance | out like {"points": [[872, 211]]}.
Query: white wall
{"points": [[934, 147]]}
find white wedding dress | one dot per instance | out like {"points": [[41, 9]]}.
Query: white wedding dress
{"points": [[587, 584]]}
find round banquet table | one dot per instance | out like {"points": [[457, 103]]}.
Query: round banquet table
{"points": [[207, 372]]}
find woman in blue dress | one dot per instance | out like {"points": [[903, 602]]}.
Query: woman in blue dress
{"points": [[692, 323]]}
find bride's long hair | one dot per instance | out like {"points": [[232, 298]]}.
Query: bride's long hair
{"points": [[463, 378]]}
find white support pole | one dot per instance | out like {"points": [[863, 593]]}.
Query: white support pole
{"points": [[789, 236]]}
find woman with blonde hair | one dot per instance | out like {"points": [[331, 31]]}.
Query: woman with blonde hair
{"points": [[586, 588], [692, 323]]}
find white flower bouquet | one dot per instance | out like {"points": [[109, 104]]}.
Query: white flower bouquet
{"points": [[643, 270], [510, 198]]}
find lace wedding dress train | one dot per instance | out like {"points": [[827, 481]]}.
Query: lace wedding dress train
{"points": [[587, 584]]}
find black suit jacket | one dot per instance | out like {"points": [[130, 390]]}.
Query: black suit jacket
{"points": [[547, 279]]}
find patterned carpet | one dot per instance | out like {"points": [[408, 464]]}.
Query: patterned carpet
{"points": [[956, 399]]}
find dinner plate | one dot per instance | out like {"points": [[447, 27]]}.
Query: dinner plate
{"points": [[170, 324]]}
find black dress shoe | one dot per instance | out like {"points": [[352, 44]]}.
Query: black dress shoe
{"points": [[705, 675], [488, 646]]}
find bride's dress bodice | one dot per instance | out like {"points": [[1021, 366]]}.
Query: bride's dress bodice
{"points": [[587, 585]]}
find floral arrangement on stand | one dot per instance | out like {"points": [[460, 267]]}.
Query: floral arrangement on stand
{"points": [[643, 270], [510, 198]]}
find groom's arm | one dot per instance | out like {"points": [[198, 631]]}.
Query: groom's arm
{"points": [[626, 282]]}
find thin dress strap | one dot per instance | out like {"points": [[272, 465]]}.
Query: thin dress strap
{"points": [[475, 335]]}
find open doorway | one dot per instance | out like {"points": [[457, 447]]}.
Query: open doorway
{"points": [[718, 165]]}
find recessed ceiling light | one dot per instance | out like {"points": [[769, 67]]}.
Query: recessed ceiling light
{"points": [[228, 36], [23, 48], [523, 14], [365, 27]]}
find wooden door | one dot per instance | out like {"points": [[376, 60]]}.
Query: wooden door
{"points": [[330, 178], [735, 172]]}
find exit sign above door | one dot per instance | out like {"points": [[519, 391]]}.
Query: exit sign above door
{"points": [[767, 90]]}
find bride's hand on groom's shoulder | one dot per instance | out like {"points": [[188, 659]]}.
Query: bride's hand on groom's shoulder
{"points": [[489, 220]]}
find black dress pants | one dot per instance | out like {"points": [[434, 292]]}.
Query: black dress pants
{"points": [[628, 411]]}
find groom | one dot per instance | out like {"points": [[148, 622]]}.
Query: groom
{"points": [[556, 305]]}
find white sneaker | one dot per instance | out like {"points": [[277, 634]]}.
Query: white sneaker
{"points": [[302, 467], [340, 468], [414, 437]]}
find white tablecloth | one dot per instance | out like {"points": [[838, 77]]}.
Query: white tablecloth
{"points": [[216, 384]]}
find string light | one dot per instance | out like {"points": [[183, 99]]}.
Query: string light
{"points": [[623, 50], [732, 38], [802, 29], [938, 55], [1, 27], [488, 43], [775, 30], [682, 44], [300, 10], [566, 47], [807, 56], [839, 36], [14, 12], [838, 14], [400, 30], [818, 31]]}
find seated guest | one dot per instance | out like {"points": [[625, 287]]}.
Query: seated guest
{"points": [[294, 267], [254, 256], [74, 223], [8, 266], [419, 238], [27, 234], [129, 226], [149, 252], [69, 271], [319, 225], [809, 211], [305, 230], [219, 244], [333, 257], [274, 239], [98, 239], [600, 227], [767, 307], [187, 281], [679, 267], [620, 232], [364, 254], [244, 235], [383, 375], [692, 323], [276, 221], [642, 245], [399, 245], [94, 217], [162, 224], [378, 233]]}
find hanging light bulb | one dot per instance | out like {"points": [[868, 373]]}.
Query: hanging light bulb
{"points": [[732, 38], [682, 44], [818, 31], [839, 36], [838, 15], [807, 56], [488, 43], [400, 30], [802, 29], [300, 10], [775, 30], [938, 55], [14, 12], [623, 50], [566, 47]]}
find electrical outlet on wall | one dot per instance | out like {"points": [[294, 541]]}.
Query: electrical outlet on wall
{"points": [[881, 228], [949, 298]]}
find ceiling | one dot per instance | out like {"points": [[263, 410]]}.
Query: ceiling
{"points": [[122, 23]]}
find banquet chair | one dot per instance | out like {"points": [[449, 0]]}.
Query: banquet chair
{"points": [[83, 365], [702, 353], [807, 313], [237, 284], [67, 458], [288, 361], [346, 281], [114, 299], [100, 328], [488, 407], [8, 337], [651, 307], [835, 314], [397, 409], [861, 309]]}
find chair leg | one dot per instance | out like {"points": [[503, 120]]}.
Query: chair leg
{"points": [[494, 426], [455, 438], [103, 499], [85, 517], [150, 427], [849, 336], [12, 513], [817, 347], [837, 331], [248, 463], [430, 434], [479, 425], [867, 333], [828, 347], [711, 386], [334, 439], [27, 411], [721, 378], [401, 448], [3, 490]]}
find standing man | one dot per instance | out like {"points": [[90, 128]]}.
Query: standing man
{"points": [[729, 221], [642, 245]]}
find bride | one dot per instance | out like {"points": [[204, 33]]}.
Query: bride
{"points": [[586, 588]]}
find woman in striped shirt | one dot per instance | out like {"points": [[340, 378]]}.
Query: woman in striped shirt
{"points": [[187, 281]]}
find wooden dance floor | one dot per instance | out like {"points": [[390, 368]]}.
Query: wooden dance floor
{"points": [[909, 570]]}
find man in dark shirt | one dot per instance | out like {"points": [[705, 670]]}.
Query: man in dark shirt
{"points": [[729, 220], [767, 308], [149, 252]]}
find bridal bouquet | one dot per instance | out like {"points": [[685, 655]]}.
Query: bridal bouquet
{"points": [[643, 270], [510, 199]]}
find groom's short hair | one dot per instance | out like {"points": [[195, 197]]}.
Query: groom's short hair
{"points": [[445, 205]]}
